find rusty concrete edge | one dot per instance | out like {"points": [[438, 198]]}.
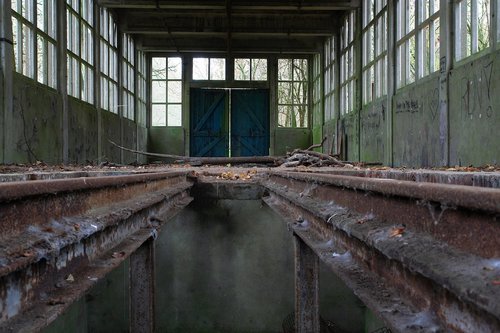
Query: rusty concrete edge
{"points": [[16, 190], [477, 198], [112, 216], [371, 291], [469, 178], [41, 314], [483, 296]]}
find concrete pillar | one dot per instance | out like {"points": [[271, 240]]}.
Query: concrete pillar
{"points": [[445, 49], [142, 286], [6, 81], [97, 81], [306, 288], [62, 75], [391, 79]]}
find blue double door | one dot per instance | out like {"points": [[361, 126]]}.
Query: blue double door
{"points": [[229, 121]]}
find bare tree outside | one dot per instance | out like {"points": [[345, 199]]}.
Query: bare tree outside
{"points": [[292, 93]]}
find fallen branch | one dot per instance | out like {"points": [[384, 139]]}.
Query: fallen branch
{"points": [[317, 145], [275, 160]]}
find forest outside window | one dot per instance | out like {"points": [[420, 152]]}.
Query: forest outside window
{"points": [[293, 110], [250, 69], [209, 69], [166, 91], [472, 26]]}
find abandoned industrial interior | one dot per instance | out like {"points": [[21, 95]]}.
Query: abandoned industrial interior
{"points": [[249, 166]]}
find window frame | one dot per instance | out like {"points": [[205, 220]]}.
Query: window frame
{"points": [[251, 77], [128, 77], [330, 82], [168, 103], [461, 50], [305, 91], [40, 63], [108, 39], [348, 68]]}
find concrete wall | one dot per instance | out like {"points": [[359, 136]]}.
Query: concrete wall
{"points": [[475, 112], [288, 139], [36, 124], [167, 140], [473, 120]]}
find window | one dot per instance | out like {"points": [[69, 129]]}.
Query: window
{"points": [[80, 60], [34, 37], [109, 61], [292, 93], [330, 78], [141, 88], [472, 26], [347, 65], [316, 87], [128, 80], [417, 39], [166, 91], [375, 49], [250, 69], [212, 69]]}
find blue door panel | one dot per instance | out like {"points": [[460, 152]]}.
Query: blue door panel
{"points": [[209, 130], [250, 122]]}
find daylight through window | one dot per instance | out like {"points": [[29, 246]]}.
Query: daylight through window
{"points": [[293, 93], [166, 91]]}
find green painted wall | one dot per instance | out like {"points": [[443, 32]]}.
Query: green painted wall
{"points": [[166, 140], [475, 112], [373, 122], [288, 139], [36, 126], [82, 133]]}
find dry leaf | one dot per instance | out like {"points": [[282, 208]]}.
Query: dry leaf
{"points": [[397, 232], [495, 282], [120, 254], [28, 253], [70, 278], [76, 226], [55, 301]]}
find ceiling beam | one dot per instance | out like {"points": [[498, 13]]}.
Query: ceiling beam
{"points": [[278, 25], [238, 45], [276, 5]]}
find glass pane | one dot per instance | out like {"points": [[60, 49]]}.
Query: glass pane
{"points": [[284, 69], [159, 92], [51, 18], [483, 22], [174, 115], [217, 69], [40, 14], [158, 115], [300, 114], [41, 60], [284, 92], [174, 92], [259, 69], [200, 68], [242, 69], [52, 65], [285, 115], [174, 68]]}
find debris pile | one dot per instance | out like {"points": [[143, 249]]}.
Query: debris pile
{"points": [[311, 158], [228, 175]]}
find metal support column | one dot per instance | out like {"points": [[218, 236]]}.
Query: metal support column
{"points": [[6, 81], [142, 288], [306, 288]]}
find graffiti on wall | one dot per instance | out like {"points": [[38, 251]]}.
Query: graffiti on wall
{"points": [[476, 93], [426, 101]]}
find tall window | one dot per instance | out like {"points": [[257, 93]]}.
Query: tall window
{"points": [[34, 37], [375, 49], [293, 108], [417, 39], [330, 78], [347, 64], [213, 69], [250, 69], [141, 88], [128, 77], [80, 22], [316, 86], [472, 27], [109, 61], [166, 91]]}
